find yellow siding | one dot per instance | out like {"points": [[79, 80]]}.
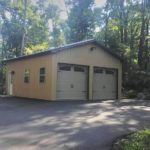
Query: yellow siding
{"points": [[80, 55], [33, 89], [84, 56]]}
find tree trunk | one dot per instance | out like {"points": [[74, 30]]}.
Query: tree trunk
{"points": [[106, 30], [2, 49], [142, 39], [126, 28], [121, 29], [24, 29], [147, 44], [131, 42], [121, 15], [66, 7]]}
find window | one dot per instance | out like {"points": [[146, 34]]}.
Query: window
{"points": [[27, 76], [110, 72], [79, 69], [42, 75], [98, 70], [64, 67]]}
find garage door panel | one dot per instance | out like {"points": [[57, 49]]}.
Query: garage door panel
{"points": [[72, 83], [78, 95], [64, 75], [64, 94], [104, 83]]}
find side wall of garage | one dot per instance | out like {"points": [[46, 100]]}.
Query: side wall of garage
{"points": [[84, 55], [33, 89]]}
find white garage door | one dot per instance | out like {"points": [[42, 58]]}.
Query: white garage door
{"points": [[72, 82], [104, 83]]}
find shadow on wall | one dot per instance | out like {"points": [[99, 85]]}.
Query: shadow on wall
{"points": [[68, 125]]}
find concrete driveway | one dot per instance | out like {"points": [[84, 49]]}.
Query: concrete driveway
{"points": [[40, 125]]}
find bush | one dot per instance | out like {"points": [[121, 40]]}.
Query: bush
{"points": [[147, 97], [136, 141], [137, 84], [131, 94]]}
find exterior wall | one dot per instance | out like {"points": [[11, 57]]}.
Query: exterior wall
{"points": [[84, 56], [81, 55], [33, 89]]}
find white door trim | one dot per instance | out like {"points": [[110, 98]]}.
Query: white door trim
{"points": [[10, 83]]}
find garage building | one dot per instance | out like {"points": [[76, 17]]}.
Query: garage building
{"points": [[84, 70]]}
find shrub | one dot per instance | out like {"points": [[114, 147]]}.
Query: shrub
{"points": [[131, 94], [136, 141], [137, 82]]}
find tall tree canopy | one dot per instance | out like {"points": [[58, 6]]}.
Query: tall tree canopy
{"points": [[13, 27], [81, 20], [125, 28], [123, 25], [42, 26]]}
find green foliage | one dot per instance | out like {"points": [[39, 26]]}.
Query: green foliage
{"points": [[12, 28], [37, 31], [37, 27], [51, 13], [138, 81], [137, 141], [57, 37], [121, 26], [36, 48], [81, 20], [65, 31], [12, 35], [131, 94]]}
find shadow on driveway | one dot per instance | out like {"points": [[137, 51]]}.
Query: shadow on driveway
{"points": [[41, 125]]}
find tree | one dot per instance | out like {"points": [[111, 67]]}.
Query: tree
{"points": [[125, 29], [13, 23], [24, 27], [10, 30], [52, 13], [81, 20], [143, 42]]}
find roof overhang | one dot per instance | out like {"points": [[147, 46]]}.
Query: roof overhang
{"points": [[69, 46]]}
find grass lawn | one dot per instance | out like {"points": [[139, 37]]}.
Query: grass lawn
{"points": [[137, 141]]}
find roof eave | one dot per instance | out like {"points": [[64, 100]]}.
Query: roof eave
{"points": [[56, 50]]}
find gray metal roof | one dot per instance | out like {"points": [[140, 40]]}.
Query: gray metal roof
{"points": [[65, 47]]}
